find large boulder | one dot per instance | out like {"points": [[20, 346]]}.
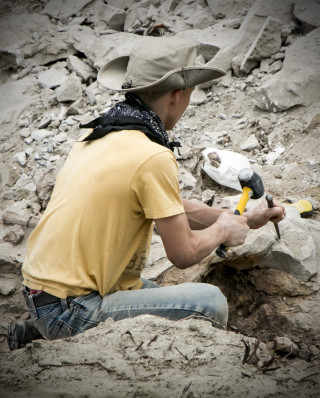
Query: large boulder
{"points": [[298, 82]]}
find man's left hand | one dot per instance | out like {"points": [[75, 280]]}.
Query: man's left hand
{"points": [[261, 214]]}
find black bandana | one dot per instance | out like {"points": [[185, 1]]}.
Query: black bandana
{"points": [[131, 114]]}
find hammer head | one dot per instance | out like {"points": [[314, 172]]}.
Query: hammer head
{"points": [[249, 178]]}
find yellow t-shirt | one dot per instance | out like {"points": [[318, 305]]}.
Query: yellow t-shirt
{"points": [[96, 231]]}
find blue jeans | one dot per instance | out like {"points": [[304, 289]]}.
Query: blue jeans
{"points": [[69, 317]]}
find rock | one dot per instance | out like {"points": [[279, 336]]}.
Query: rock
{"points": [[13, 105], [297, 83], [157, 262], [284, 345], [60, 138], [307, 12], [13, 215], [14, 235], [132, 21], [45, 121], [294, 253], [250, 143], [187, 181], [198, 97], [267, 42], [200, 18], [228, 8], [25, 183], [276, 67], [21, 158], [41, 135], [114, 17], [7, 285], [62, 9], [249, 30], [273, 156], [82, 69], [123, 4], [237, 62], [51, 78], [16, 31], [264, 66], [45, 186], [70, 90]]}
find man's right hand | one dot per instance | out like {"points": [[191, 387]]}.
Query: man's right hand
{"points": [[186, 247], [235, 228]]}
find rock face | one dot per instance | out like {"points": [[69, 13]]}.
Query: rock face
{"points": [[265, 109]]}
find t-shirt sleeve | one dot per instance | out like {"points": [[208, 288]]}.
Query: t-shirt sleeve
{"points": [[156, 186]]}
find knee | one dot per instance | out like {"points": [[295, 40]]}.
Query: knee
{"points": [[215, 304]]}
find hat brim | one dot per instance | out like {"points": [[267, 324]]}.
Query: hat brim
{"points": [[112, 76]]}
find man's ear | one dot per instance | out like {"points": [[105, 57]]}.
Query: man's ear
{"points": [[175, 95]]}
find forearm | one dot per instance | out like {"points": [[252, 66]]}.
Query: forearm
{"points": [[202, 243], [200, 216]]}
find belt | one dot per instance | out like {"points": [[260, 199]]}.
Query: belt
{"points": [[44, 298]]}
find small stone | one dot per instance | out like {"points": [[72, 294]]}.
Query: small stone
{"points": [[21, 158], [222, 116], [285, 346], [7, 286], [250, 144], [15, 235], [25, 133], [41, 135], [45, 121]]}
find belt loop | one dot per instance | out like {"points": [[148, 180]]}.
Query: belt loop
{"points": [[64, 304], [29, 301]]}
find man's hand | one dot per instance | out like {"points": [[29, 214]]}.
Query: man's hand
{"points": [[235, 228], [261, 214]]}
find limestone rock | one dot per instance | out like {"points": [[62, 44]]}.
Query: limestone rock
{"points": [[294, 253], [250, 28], [14, 235], [114, 17], [228, 8], [7, 285], [69, 91], [21, 158], [11, 106], [45, 186], [41, 135], [267, 42], [186, 179], [198, 97], [298, 82], [13, 215], [51, 78], [200, 18], [82, 69], [16, 32], [123, 4], [250, 143], [308, 13], [62, 9]]}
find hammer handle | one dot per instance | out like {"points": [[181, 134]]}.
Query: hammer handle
{"points": [[269, 200], [246, 192]]}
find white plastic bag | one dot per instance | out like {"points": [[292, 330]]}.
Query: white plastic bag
{"points": [[223, 166]]}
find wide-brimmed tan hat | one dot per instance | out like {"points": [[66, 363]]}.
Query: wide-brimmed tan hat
{"points": [[157, 64]]}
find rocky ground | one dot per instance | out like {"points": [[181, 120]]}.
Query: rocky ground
{"points": [[265, 110]]}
